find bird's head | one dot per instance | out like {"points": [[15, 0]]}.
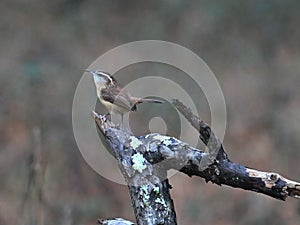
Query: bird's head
{"points": [[101, 78]]}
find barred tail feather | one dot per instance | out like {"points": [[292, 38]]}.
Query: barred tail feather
{"points": [[147, 100], [150, 100]]}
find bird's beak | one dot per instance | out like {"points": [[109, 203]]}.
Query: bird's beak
{"points": [[87, 70], [94, 73]]}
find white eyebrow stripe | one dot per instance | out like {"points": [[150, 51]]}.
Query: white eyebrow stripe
{"points": [[105, 74]]}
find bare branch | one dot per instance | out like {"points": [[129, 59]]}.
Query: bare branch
{"points": [[206, 135], [165, 153], [225, 172], [116, 221], [148, 188], [145, 160]]}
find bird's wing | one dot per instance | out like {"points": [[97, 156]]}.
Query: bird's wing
{"points": [[118, 97]]}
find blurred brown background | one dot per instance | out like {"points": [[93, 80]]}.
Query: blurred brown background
{"points": [[253, 48]]}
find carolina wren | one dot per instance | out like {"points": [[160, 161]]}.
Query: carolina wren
{"points": [[116, 99]]}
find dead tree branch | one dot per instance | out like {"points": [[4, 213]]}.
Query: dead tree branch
{"points": [[223, 171], [116, 221], [145, 160], [148, 188]]}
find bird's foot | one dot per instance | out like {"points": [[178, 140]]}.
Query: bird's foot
{"points": [[108, 116]]}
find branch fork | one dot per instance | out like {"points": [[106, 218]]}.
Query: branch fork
{"points": [[145, 160]]}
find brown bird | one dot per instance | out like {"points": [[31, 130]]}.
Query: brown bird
{"points": [[115, 98]]}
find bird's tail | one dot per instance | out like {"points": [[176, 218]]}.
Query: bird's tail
{"points": [[147, 100]]}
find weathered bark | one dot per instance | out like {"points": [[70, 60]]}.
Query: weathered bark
{"points": [[145, 160], [148, 188]]}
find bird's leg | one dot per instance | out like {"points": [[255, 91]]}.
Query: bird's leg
{"points": [[108, 116]]}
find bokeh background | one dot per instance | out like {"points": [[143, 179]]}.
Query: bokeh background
{"points": [[252, 47]]}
